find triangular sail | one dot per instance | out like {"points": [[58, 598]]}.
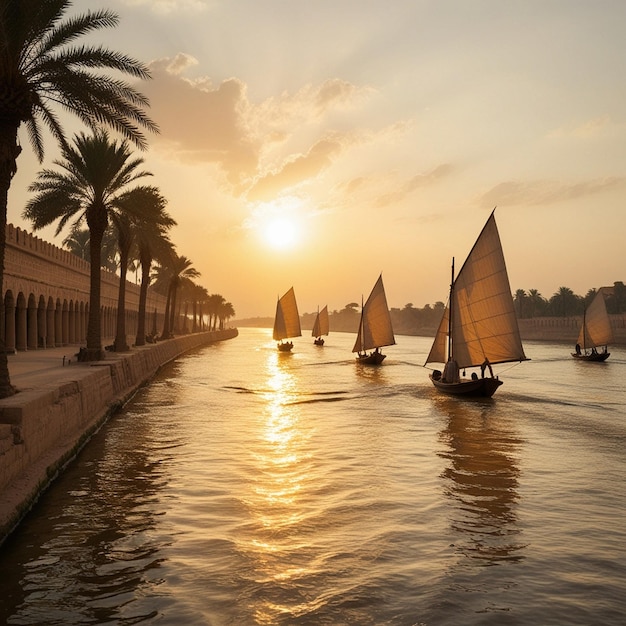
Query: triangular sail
{"points": [[321, 325], [375, 329], [596, 329], [484, 323], [287, 320]]}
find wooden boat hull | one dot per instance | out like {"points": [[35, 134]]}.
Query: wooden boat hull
{"points": [[375, 358], [285, 347], [479, 388], [319, 342], [598, 357]]}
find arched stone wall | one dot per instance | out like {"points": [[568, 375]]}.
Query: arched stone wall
{"points": [[46, 297]]}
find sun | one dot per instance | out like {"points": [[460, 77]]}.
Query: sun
{"points": [[281, 233]]}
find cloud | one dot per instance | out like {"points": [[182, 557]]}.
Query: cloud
{"points": [[200, 121], [296, 170], [511, 193], [267, 146], [166, 7], [587, 130], [416, 182]]}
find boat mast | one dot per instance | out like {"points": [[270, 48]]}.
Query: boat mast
{"points": [[450, 311]]}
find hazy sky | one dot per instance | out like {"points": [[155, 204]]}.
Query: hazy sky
{"points": [[376, 136]]}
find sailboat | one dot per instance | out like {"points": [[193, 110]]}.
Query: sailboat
{"points": [[287, 321], [321, 326], [375, 329], [595, 331], [479, 325]]}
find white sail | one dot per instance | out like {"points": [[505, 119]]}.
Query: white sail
{"points": [[287, 320], [484, 323], [596, 329], [375, 329], [321, 325]]}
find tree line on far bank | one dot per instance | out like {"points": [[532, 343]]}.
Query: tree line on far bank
{"points": [[528, 304]]}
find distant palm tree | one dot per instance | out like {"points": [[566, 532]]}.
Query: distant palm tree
{"points": [[174, 271], [42, 68], [94, 181], [536, 301], [77, 242], [519, 301], [138, 210], [151, 241], [226, 312], [564, 302], [214, 303]]}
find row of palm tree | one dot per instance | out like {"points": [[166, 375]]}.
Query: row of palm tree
{"points": [[99, 182], [565, 303]]}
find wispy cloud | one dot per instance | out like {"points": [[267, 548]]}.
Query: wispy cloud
{"points": [[166, 7], [416, 182], [587, 130], [513, 193]]}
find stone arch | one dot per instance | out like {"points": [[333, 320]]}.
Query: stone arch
{"points": [[50, 323], [9, 322], [42, 323], [21, 325]]}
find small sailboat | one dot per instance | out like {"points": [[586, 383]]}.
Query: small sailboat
{"points": [[595, 332], [375, 329], [479, 326], [287, 321], [321, 326]]}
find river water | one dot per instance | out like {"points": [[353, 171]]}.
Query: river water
{"points": [[244, 487]]}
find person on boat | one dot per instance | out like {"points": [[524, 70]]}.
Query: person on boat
{"points": [[578, 349], [485, 364], [451, 372]]}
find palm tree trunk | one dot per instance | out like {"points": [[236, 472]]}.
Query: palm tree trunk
{"points": [[120, 344], [166, 318], [9, 151], [94, 351], [145, 261]]}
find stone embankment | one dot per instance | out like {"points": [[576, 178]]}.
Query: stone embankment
{"points": [[59, 408]]}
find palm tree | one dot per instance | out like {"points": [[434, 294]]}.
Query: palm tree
{"points": [[77, 242], [96, 176], [564, 302], [182, 273], [42, 68], [520, 300], [214, 303], [151, 241], [537, 302], [138, 210], [226, 312]]}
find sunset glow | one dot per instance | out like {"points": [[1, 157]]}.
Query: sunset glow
{"points": [[281, 158]]}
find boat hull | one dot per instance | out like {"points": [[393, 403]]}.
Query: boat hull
{"points": [[598, 357], [375, 358], [285, 347], [479, 388], [319, 342]]}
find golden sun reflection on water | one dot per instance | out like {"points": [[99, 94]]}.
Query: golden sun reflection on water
{"points": [[278, 500]]}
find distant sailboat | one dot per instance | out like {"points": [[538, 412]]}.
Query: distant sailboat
{"points": [[375, 329], [479, 325], [320, 327], [595, 331], [287, 321]]}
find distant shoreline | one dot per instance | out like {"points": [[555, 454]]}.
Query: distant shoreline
{"points": [[554, 329]]}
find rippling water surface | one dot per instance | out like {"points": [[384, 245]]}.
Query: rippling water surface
{"points": [[244, 486]]}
